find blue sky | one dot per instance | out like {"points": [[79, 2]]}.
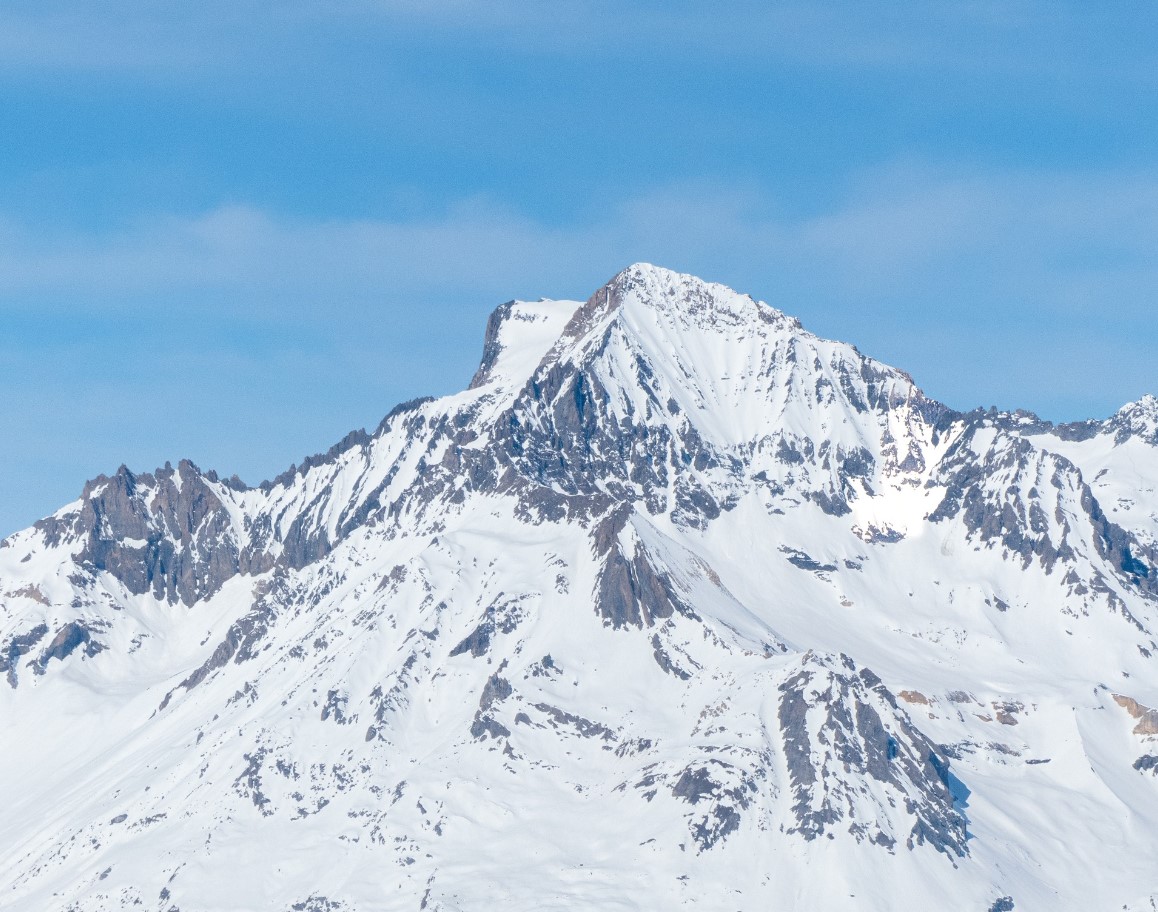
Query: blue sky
{"points": [[233, 231]]}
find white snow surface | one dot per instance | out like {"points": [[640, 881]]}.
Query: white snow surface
{"points": [[863, 616]]}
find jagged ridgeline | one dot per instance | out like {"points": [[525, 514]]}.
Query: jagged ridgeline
{"points": [[677, 605]]}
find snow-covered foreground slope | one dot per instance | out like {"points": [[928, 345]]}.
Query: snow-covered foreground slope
{"points": [[677, 605]]}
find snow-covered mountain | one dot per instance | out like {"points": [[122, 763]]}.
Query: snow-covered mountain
{"points": [[678, 605]]}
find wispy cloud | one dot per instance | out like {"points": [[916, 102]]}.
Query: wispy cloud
{"points": [[968, 35], [1021, 254], [71, 38]]}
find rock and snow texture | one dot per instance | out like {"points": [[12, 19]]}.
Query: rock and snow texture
{"points": [[678, 605]]}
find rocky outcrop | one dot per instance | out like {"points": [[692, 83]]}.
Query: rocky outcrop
{"points": [[1147, 718], [16, 646], [842, 729], [69, 639], [631, 592], [166, 533], [1009, 493]]}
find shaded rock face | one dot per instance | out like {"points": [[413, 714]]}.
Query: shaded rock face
{"points": [[1147, 763], [496, 690], [1013, 495], [68, 640], [170, 533], [19, 645], [563, 433], [492, 347], [72, 637], [842, 728], [721, 792], [1130, 559], [997, 496], [167, 534], [501, 616], [632, 592], [245, 637]]}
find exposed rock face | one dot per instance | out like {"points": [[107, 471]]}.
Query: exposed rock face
{"points": [[1011, 494], [492, 343], [168, 534], [501, 616], [68, 639], [720, 792], [632, 592], [1147, 717], [1135, 419], [841, 726], [17, 646], [1147, 763]]}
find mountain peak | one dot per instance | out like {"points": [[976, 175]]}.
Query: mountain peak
{"points": [[518, 334], [675, 577], [1146, 405], [672, 316], [658, 280], [655, 287], [1138, 418], [649, 273]]}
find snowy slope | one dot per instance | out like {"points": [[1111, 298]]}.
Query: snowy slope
{"points": [[678, 605]]}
